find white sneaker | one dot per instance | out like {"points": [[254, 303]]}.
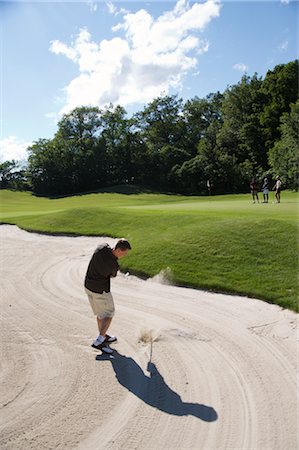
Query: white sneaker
{"points": [[98, 341], [110, 339], [106, 349]]}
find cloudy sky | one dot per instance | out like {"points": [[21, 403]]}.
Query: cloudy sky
{"points": [[58, 55]]}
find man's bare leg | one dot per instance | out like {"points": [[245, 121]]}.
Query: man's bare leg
{"points": [[103, 325], [277, 195]]}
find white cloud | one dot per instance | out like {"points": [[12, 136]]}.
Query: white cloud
{"points": [[240, 66], [112, 9], [149, 57], [92, 5], [285, 2], [58, 47], [13, 148], [283, 46]]}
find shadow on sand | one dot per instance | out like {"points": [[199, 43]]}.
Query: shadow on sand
{"points": [[153, 390]]}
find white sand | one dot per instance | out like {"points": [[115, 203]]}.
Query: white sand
{"points": [[223, 371]]}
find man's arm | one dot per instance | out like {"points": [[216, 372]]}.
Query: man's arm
{"points": [[114, 273], [106, 266]]}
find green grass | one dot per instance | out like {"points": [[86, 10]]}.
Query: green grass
{"points": [[221, 243]]}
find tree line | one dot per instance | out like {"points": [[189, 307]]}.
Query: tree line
{"points": [[220, 141]]}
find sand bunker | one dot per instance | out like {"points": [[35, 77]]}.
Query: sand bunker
{"points": [[221, 375]]}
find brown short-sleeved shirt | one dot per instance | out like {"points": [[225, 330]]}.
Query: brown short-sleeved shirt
{"points": [[102, 266]]}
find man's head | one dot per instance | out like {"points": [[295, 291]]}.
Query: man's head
{"points": [[121, 248]]}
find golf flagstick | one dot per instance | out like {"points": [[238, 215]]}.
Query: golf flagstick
{"points": [[151, 352], [150, 360]]}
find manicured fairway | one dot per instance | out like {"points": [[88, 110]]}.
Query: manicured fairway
{"points": [[221, 243]]}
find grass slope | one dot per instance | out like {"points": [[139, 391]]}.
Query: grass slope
{"points": [[222, 243]]}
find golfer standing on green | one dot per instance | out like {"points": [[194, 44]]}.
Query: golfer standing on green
{"points": [[102, 266]]}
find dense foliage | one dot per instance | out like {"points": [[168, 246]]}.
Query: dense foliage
{"points": [[223, 140]]}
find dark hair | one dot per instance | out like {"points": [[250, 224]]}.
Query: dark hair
{"points": [[123, 244]]}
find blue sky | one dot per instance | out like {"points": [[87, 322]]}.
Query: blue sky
{"points": [[58, 55]]}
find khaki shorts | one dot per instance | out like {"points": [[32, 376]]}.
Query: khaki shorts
{"points": [[101, 304]]}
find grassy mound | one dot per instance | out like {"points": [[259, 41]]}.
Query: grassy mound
{"points": [[221, 243]]}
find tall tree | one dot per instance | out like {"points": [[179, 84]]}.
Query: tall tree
{"points": [[200, 115], [119, 142], [241, 134], [81, 150], [73, 160], [6, 170], [160, 122], [13, 175], [160, 126], [46, 166], [284, 156], [280, 88]]}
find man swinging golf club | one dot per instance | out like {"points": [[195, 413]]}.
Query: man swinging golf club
{"points": [[102, 266]]}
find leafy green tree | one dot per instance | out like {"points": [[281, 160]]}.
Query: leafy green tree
{"points": [[161, 122], [200, 115], [119, 142], [284, 156], [241, 135], [75, 159], [6, 169], [13, 175], [192, 175], [280, 88], [80, 124], [46, 168], [222, 171], [82, 153], [160, 126]]}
